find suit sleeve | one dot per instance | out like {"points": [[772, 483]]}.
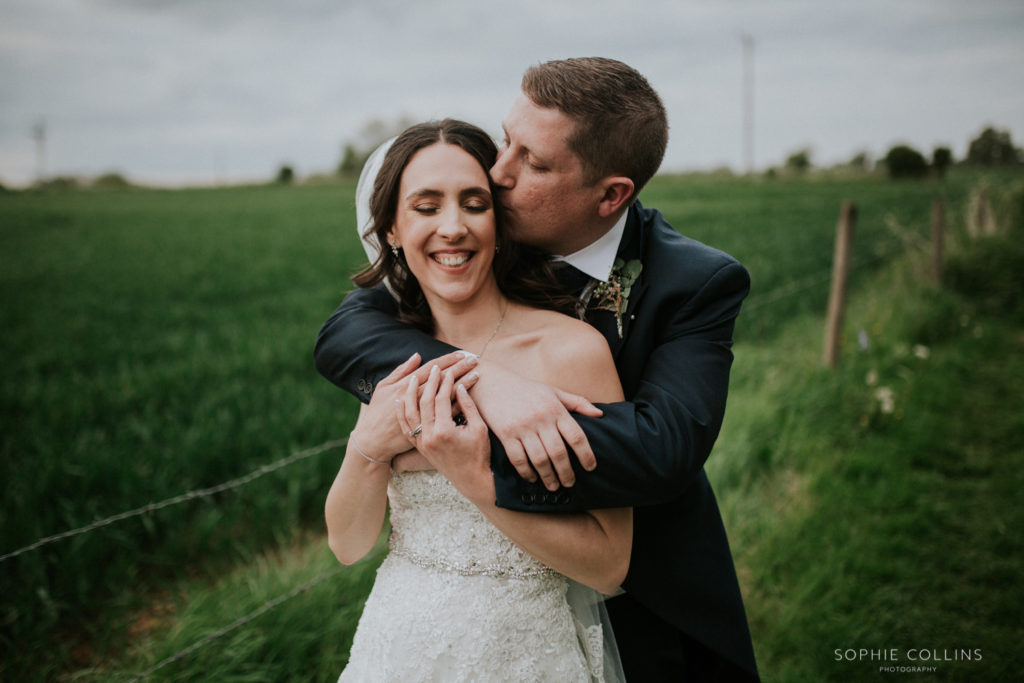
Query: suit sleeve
{"points": [[652, 447], [361, 343]]}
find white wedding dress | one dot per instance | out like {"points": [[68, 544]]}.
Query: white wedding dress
{"points": [[455, 600]]}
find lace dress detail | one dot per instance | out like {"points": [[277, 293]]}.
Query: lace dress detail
{"points": [[455, 600]]}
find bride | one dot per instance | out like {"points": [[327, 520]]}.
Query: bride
{"points": [[469, 591]]}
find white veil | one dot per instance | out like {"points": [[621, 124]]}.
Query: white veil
{"points": [[364, 190], [594, 629], [592, 623]]}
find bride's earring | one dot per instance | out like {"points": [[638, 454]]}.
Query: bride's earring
{"points": [[394, 249]]}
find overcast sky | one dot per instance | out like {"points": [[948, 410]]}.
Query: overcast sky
{"points": [[203, 91]]}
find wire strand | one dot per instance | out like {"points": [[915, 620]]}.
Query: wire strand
{"points": [[796, 286], [238, 623], [189, 495]]}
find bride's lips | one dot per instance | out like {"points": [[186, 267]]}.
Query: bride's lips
{"points": [[452, 260]]}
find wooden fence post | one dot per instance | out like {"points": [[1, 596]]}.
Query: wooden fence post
{"points": [[938, 230], [840, 274]]}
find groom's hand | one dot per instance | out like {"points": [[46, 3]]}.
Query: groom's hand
{"points": [[533, 423]]}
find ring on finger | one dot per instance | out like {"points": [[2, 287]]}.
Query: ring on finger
{"points": [[416, 431]]}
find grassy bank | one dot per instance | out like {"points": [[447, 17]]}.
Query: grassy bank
{"points": [[875, 508], [160, 342]]}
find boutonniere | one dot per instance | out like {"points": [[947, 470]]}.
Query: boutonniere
{"points": [[613, 295]]}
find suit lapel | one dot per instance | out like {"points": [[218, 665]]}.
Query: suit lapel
{"points": [[631, 247]]}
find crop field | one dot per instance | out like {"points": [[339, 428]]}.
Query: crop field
{"points": [[159, 342]]}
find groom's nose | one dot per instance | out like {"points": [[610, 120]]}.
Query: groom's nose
{"points": [[502, 171]]}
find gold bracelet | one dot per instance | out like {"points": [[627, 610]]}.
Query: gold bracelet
{"points": [[360, 452]]}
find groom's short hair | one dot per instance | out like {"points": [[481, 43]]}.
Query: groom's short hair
{"points": [[621, 126]]}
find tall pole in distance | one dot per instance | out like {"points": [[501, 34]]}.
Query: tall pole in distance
{"points": [[748, 102], [39, 135]]}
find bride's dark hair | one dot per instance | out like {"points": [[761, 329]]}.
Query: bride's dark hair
{"points": [[523, 273]]}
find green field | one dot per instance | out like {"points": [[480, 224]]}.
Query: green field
{"points": [[159, 342]]}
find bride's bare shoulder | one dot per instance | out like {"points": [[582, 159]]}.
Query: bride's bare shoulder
{"points": [[576, 357], [565, 337]]}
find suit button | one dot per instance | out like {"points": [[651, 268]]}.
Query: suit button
{"points": [[361, 385], [369, 388], [528, 498]]}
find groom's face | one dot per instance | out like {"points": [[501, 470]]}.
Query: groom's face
{"points": [[541, 183]]}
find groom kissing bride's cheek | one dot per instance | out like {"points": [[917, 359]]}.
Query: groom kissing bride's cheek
{"points": [[544, 364]]}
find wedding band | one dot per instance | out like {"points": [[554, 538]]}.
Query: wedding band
{"points": [[416, 432]]}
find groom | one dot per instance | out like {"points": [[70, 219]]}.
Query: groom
{"points": [[581, 140]]}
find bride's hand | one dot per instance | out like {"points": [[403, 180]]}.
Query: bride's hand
{"points": [[378, 429], [460, 452]]}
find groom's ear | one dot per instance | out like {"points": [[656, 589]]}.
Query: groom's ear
{"points": [[616, 193]]}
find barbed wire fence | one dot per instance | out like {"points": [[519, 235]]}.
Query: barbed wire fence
{"points": [[182, 498], [241, 621], [792, 288], [809, 282], [196, 494]]}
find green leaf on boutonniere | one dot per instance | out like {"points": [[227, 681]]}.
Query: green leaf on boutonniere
{"points": [[613, 295]]}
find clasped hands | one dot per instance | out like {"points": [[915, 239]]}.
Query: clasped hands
{"points": [[532, 420]]}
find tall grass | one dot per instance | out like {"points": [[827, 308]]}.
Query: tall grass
{"points": [[158, 342], [875, 507]]}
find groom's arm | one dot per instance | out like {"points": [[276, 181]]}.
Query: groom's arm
{"points": [[651, 448], [362, 342]]}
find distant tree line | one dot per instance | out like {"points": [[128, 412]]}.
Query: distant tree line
{"points": [[991, 148]]}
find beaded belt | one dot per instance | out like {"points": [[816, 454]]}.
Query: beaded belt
{"points": [[474, 568]]}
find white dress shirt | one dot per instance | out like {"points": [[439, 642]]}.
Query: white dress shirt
{"points": [[597, 258]]}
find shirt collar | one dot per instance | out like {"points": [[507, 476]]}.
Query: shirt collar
{"points": [[596, 259]]}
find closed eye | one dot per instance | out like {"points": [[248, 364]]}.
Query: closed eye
{"points": [[475, 199]]}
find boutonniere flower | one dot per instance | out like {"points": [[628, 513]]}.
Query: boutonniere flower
{"points": [[613, 295]]}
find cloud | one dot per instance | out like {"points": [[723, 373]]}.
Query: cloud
{"points": [[192, 90]]}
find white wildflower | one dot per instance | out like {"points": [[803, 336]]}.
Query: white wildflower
{"points": [[921, 351], [886, 399], [862, 339], [872, 378]]}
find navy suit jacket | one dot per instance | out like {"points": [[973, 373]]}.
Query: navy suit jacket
{"points": [[673, 360]]}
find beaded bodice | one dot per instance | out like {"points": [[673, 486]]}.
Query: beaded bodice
{"points": [[435, 526]]}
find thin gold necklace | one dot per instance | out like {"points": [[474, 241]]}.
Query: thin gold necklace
{"points": [[497, 327]]}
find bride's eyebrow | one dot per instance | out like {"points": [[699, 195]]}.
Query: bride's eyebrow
{"points": [[475, 192], [425, 192]]}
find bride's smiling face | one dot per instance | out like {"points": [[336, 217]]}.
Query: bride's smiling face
{"points": [[444, 223]]}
